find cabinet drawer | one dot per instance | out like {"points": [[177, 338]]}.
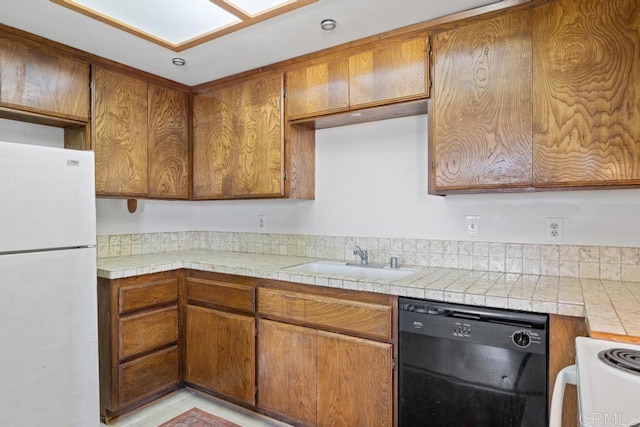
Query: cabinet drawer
{"points": [[145, 295], [227, 294], [148, 331], [147, 375], [338, 314]]}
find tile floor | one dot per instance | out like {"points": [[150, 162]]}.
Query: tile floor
{"points": [[175, 404]]}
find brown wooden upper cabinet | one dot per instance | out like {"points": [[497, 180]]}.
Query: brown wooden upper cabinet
{"points": [[40, 79], [238, 140], [140, 137], [168, 143], [396, 70], [318, 89], [586, 93], [480, 120], [390, 71]]}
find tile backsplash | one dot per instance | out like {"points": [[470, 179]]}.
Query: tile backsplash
{"points": [[586, 262]]}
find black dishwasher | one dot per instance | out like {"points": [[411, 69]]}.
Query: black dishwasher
{"points": [[471, 366]]}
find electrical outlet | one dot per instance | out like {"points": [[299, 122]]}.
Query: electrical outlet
{"points": [[473, 225], [262, 222], [554, 229]]}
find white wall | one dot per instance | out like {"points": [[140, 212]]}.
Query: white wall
{"points": [[371, 181], [28, 133], [152, 216]]}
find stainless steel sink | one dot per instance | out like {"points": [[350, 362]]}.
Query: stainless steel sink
{"points": [[356, 270]]}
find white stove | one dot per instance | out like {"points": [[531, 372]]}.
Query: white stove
{"points": [[607, 374]]}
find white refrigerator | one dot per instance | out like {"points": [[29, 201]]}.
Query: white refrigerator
{"points": [[48, 299]]}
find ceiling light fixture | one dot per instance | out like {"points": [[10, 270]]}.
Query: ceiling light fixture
{"points": [[328, 24], [179, 62], [182, 24]]}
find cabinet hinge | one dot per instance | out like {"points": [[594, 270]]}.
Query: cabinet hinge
{"points": [[284, 93], [393, 364], [284, 175]]}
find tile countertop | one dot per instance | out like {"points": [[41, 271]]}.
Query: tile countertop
{"points": [[612, 308]]}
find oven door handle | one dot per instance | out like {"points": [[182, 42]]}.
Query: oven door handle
{"points": [[565, 376]]}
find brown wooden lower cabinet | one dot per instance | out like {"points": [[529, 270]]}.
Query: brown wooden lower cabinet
{"points": [[355, 381], [138, 341], [314, 356], [144, 376], [220, 352], [310, 372], [287, 370], [563, 331], [320, 378]]}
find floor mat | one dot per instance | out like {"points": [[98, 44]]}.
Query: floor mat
{"points": [[194, 417]]}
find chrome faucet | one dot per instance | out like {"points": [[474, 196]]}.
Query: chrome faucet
{"points": [[364, 257]]}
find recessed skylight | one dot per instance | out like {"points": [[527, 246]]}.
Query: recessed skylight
{"points": [[181, 24]]}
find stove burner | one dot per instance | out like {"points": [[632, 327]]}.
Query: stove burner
{"points": [[622, 358]]}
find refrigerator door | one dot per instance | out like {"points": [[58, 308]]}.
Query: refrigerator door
{"points": [[48, 198], [48, 331]]}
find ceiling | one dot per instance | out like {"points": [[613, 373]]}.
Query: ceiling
{"points": [[293, 34]]}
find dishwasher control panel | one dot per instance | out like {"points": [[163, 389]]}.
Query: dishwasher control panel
{"points": [[489, 326], [461, 329]]}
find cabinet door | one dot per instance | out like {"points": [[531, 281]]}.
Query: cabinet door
{"points": [[355, 381], [220, 352], [168, 144], [120, 133], [259, 144], [213, 134], [586, 93], [397, 71], [238, 141], [318, 89], [41, 79], [287, 370], [481, 129]]}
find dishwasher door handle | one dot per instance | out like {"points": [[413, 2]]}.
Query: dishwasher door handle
{"points": [[565, 376]]}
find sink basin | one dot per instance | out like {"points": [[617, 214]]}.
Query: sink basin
{"points": [[356, 270]]}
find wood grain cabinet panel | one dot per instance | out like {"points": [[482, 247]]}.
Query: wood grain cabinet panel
{"points": [[377, 81], [355, 381], [148, 331], [218, 293], [138, 338], [220, 352], [145, 376], [340, 314], [395, 71], [563, 331], [313, 374], [318, 89], [120, 133], [40, 79], [481, 129], [168, 144], [213, 133], [287, 370], [146, 295], [586, 93], [239, 140]]}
